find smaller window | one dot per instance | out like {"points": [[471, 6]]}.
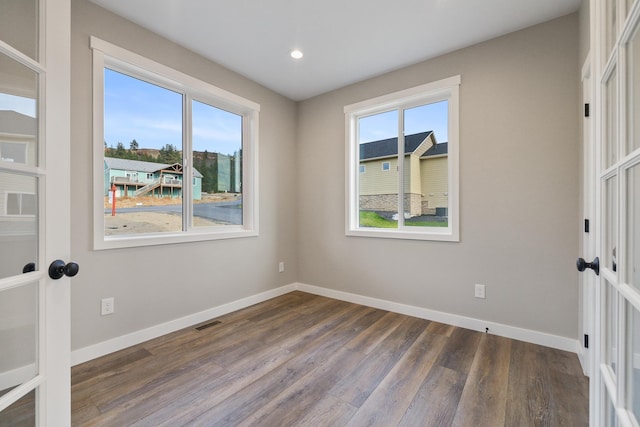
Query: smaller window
{"points": [[363, 168], [13, 152], [21, 204], [416, 131]]}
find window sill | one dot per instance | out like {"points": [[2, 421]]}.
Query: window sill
{"points": [[433, 234], [133, 241]]}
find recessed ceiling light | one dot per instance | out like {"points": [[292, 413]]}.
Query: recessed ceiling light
{"points": [[296, 54]]}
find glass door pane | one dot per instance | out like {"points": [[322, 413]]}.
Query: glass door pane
{"points": [[378, 185], [18, 224], [611, 329], [611, 123], [611, 25], [19, 25], [610, 237], [426, 165], [632, 276], [18, 113], [18, 336], [216, 185], [633, 92], [633, 361], [21, 413]]}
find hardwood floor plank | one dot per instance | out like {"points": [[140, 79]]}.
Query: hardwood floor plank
{"points": [[307, 360], [154, 395], [436, 401], [378, 332], [95, 369], [248, 400], [528, 376], [483, 400], [390, 400], [198, 399], [329, 411], [290, 406], [571, 399], [440, 329], [460, 350], [356, 387]]}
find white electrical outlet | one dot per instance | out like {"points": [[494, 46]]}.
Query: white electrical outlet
{"points": [[480, 291], [281, 267], [107, 306]]}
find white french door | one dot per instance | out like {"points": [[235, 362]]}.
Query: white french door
{"points": [[34, 212], [615, 379]]}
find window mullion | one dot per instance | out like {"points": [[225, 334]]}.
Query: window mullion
{"points": [[187, 162], [400, 168]]}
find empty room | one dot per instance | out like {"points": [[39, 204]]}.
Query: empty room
{"points": [[297, 213]]}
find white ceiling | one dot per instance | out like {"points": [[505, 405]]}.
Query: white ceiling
{"points": [[344, 41]]}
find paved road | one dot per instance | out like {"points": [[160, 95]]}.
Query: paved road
{"points": [[229, 212]]}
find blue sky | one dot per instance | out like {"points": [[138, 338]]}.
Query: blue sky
{"points": [[19, 104], [418, 119], [152, 115]]}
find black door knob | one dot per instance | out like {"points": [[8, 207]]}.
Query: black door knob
{"points": [[594, 265], [58, 268], [29, 268]]}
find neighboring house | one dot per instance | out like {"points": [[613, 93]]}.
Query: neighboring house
{"points": [[17, 192], [134, 178], [425, 170], [229, 168]]}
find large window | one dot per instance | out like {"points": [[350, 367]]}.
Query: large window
{"points": [[157, 130], [408, 144]]}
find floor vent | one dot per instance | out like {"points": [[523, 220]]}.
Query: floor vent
{"points": [[208, 325]]}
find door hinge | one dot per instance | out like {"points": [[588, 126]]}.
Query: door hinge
{"points": [[586, 341], [586, 225], [586, 110]]}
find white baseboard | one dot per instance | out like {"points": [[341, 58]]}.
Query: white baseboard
{"points": [[527, 335], [105, 347], [17, 376], [93, 351]]}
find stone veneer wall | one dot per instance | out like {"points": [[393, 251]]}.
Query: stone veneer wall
{"points": [[389, 203]]}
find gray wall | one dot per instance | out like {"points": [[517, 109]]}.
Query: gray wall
{"points": [[519, 102], [153, 285], [519, 194]]}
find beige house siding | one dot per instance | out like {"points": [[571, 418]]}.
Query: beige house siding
{"points": [[434, 173], [375, 181]]}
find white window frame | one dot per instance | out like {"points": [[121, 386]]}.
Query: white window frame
{"points": [[121, 60], [387, 168], [363, 169], [445, 89]]}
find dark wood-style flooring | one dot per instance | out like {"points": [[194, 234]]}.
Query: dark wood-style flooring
{"points": [[306, 360]]}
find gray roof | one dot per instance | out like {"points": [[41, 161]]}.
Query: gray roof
{"points": [[16, 123], [140, 166], [389, 147], [437, 150]]}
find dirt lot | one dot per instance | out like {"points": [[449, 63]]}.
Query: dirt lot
{"points": [[154, 222], [130, 202]]}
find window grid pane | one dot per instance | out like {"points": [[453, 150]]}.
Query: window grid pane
{"points": [[633, 90], [611, 126], [217, 161], [632, 276], [633, 361], [426, 174], [378, 189], [142, 156]]}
